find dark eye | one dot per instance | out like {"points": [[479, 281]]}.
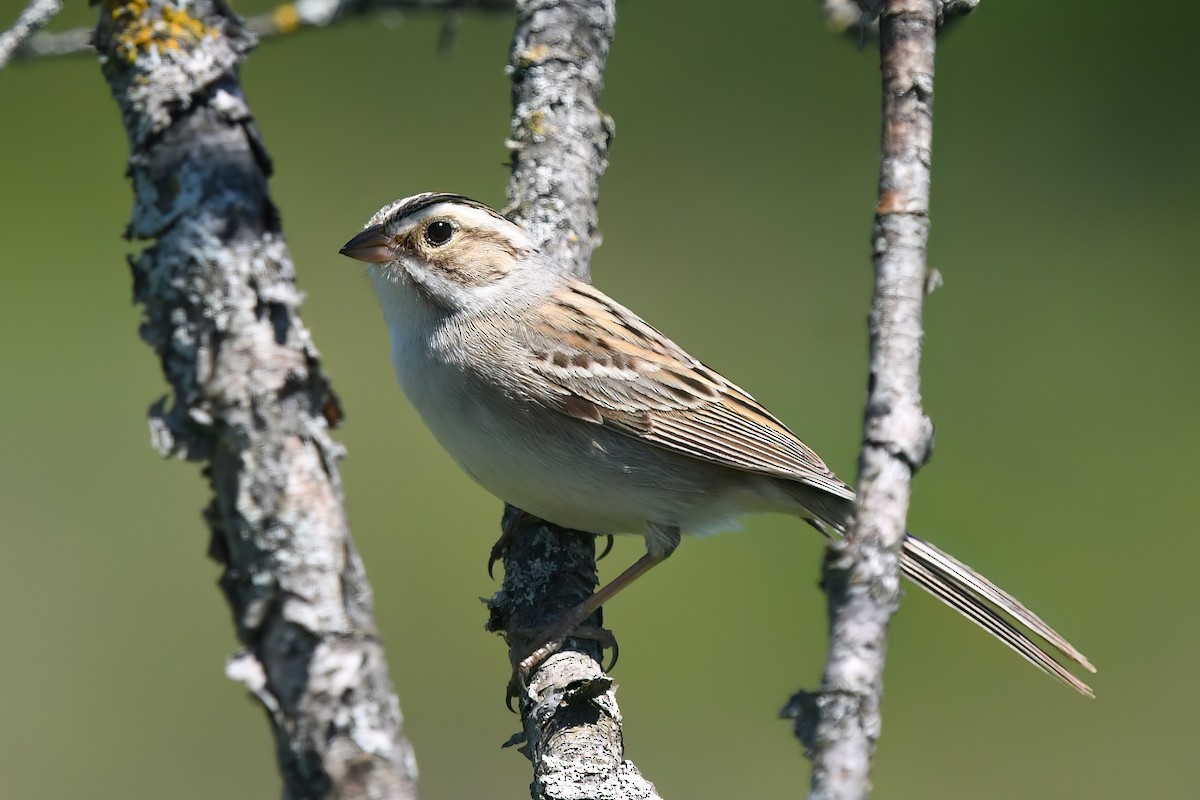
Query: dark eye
{"points": [[438, 232]]}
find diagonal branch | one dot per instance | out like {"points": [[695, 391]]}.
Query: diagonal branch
{"points": [[283, 20], [840, 724], [35, 16], [249, 399], [559, 142]]}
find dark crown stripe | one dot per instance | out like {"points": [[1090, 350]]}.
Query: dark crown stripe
{"points": [[423, 201]]}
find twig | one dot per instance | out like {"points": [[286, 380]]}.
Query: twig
{"points": [[862, 573], [559, 142], [35, 16], [859, 19], [249, 399], [283, 20]]}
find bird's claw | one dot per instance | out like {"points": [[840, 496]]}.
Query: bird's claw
{"points": [[513, 519], [607, 546]]}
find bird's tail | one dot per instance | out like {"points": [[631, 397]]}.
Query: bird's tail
{"points": [[991, 608]]}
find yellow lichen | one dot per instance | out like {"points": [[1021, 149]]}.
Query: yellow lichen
{"points": [[534, 123], [285, 18], [535, 54], [140, 32]]}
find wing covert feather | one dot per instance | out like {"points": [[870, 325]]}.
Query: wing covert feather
{"points": [[603, 364]]}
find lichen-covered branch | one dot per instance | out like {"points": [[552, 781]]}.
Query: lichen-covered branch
{"points": [[559, 142], [560, 138], [862, 573], [249, 399], [284, 19], [35, 16]]}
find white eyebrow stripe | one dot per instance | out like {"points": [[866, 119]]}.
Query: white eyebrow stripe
{"points": [[468, 215], [465, 215]]}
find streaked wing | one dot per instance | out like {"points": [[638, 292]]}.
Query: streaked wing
{"points": [[604, 365]]}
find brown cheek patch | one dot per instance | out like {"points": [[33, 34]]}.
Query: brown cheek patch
{"points": [[480, 259]]}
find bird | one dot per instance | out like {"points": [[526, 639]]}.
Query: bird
{"points": [[561, 401]]}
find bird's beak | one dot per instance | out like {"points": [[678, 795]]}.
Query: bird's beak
{"points": [[371, 245]]}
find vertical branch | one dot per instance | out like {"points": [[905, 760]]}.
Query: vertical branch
{"points": [[559, 142], [862, 573], [249, 398], [560, 138]]}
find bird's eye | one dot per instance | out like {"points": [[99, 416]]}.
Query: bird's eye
{"points": [[438, 232]]}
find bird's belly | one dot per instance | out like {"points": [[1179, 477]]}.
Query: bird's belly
{"points": [[579, 482], [577, 474]]}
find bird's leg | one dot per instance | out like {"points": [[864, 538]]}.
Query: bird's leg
{"points": [[551, 639], [660, 543]]}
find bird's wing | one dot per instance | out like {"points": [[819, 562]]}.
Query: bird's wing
{"points": [[604, 365], [600, 363]]}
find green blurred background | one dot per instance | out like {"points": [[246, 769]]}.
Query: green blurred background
{"points": [[1060, 369]]}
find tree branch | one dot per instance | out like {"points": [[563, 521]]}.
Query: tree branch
{"points": [[559, 142], [840, 724], [35, 16], [249, 398], [560, 139], [283, 20], [860, 18]]}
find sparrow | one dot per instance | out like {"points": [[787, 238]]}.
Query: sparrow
{"points": [[561, 401]]}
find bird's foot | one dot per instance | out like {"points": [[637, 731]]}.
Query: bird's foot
{"points": [[513, 519], [607, 546], [547, 642]]}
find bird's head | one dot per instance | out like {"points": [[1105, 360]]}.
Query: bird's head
{"points": [[449, 249]]}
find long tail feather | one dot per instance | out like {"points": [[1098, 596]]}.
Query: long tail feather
{"points": [[986, 604]]}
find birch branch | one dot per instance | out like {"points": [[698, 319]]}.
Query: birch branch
{"points": [[35, 16], [283, 20], [249, 399], [841, 723], [571, 722]]}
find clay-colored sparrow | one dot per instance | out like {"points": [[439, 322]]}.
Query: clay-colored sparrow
{"points": [[566, 404]]}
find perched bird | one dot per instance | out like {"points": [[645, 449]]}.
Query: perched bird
{"points": [[564, 403]]}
